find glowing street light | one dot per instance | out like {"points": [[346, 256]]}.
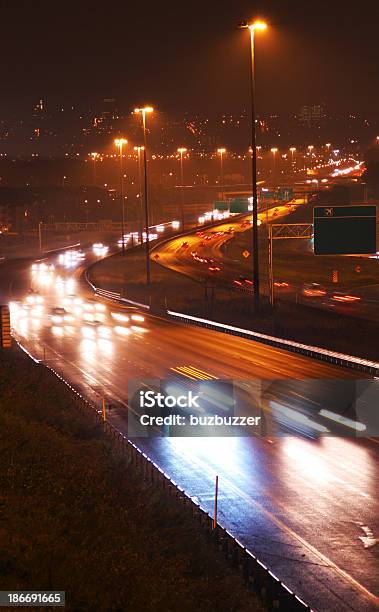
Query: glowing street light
{"points": [[221, 153], [310, 149], [181, 151], [139, 149], [255, 26], [143, 112], [120, 142], [292, 150], [94, 158], [274, 151]]}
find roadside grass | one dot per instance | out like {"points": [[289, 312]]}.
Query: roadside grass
{"points": [[75, 516]]}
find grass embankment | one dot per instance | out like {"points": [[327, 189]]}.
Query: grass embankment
{"points": [[75, 516], [295, 263]]}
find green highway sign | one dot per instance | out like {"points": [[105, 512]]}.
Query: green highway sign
{"points": [[221, 205], [239, 205], [344, 230]]}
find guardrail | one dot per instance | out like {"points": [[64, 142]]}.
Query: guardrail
{"points": [[332, 357], [116, 297], [255, 575]]}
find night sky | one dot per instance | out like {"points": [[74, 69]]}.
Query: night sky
{"points": [[190, 55]]}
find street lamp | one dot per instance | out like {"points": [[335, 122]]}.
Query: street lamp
{"points": [[94, 158], [181, 151], [274, 151], [221, 153], [143, 112], [119, 142], [310, 149], [253, 27], [139, 149], [292, 150]]}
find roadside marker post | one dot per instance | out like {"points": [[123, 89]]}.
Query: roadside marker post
{"points": [[5, 327], [103, 409]]}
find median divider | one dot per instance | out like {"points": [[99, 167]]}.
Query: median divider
{"points": [[332, 357], [116, 297], [255, 575]]}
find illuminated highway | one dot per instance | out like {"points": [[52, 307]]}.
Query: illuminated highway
{"points": [[209, 256], [200, 255], [307, 508]]}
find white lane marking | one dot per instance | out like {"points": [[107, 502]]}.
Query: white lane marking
{"points": [[367, 540], [323, 558]]}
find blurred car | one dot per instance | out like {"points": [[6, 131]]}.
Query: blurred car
{"points": [[57, 315], [214, 269], [281, 284], [243, 281], [313, 290], [184, 245], [345, 298], [99, 249], [93, 328], [245, 223], [93, 323]]}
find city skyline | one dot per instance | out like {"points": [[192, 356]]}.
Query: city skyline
{"points": [[111, 54]]}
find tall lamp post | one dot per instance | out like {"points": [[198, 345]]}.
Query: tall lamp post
{"points": [[143, 112], [221, 153], [119, 142], [94, 159], [292, 149], [181, 151], [274, 151], [253, 27], [139, 149]]}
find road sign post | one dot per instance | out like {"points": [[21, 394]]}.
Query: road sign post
{"points": [[283, 231]]}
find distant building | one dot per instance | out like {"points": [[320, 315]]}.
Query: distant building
{"points": [[311, 114]]}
